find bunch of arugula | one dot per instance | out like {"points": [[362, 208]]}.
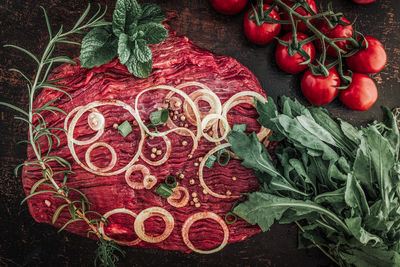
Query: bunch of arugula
{"points": [[134, 26], [340, 184]]}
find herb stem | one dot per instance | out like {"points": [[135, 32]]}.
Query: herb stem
{"points": [[319, 247]]}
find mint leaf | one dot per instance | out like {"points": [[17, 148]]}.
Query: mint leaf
{"points": [[142, 52], [153, 33], [126, 12], [124, 52], [99, 46], [152, 13], [139, 69]]}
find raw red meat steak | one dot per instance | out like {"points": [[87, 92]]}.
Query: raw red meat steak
{"points": [[176, 61]]}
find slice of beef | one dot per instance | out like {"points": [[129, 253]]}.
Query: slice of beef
{"points": [[175, 61]]}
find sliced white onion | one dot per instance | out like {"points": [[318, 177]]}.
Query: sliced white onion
{"points": [[150, 212], [137, 167], [96, 121], [100, 127], [201, 167], [179, 92], [201, 216], [176, 198], [210, 117], [202, 95], [244, 97], [91, 106], [163, 159], [96, 168], [149, 181], [112, 212]]}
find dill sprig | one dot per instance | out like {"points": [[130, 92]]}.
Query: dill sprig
{"points": [[79, 209]]}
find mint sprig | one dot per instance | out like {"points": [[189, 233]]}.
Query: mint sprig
{"points": [[133, 28]]}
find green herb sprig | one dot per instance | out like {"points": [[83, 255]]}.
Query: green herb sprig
{"points": [[338, 183], [79, 207], [134, 26]]}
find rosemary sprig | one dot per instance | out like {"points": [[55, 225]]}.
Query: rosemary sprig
{"points": [[79, 209]]}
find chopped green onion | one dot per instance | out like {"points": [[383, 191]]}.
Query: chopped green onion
{"points": [[125, 128], [163, 191], [152, 126], [159, 117], [170, 181], [239, 127], [230, 214], [227, 157], [210, 161]]}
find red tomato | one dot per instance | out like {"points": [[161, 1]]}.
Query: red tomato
{"points": [[265, 32], [320, 90], [300, 25], [228, 7], [361, 94], [370, 60], [291, 63], [340, 31], [363, 1]]}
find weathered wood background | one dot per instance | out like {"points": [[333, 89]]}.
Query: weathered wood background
{"points": [[23, 242]]}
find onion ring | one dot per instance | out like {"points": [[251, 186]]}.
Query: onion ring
{"points": [[170, 88], [99, 169], [112, 212], [147, 213], [176, 195], [137, 167], [100, 131], [201, 167], [163, 159], [202, 95], [235, 100], [96, 121], [149, 181], [210, 117], [90, 106], [200, 216]]}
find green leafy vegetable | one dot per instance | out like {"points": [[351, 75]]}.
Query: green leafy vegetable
{"points": [[338, 183], [134, 26]]}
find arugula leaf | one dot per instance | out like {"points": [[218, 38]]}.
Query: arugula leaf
{"points": [[99, 46], [253, 153], [367, 256], [354, 196], [152, 13], [353, 174], [263, 209]]}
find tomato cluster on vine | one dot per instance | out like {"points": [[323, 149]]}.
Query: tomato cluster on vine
{"points": [[334, 57]]}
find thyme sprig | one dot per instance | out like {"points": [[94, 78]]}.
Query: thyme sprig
{"points": [[51, 166]]}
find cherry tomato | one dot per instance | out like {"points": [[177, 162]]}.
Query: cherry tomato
{"points": [[370, 60], [300, 25], [228, 7], [264, 33], [291, 63], [320, 90], [339, 31], [363, 1], [361, 94]]}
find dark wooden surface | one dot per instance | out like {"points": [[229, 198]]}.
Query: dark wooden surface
{"points": [[23, 242]]}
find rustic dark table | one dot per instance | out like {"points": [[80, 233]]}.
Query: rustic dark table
{"points": [[23, 242]]}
